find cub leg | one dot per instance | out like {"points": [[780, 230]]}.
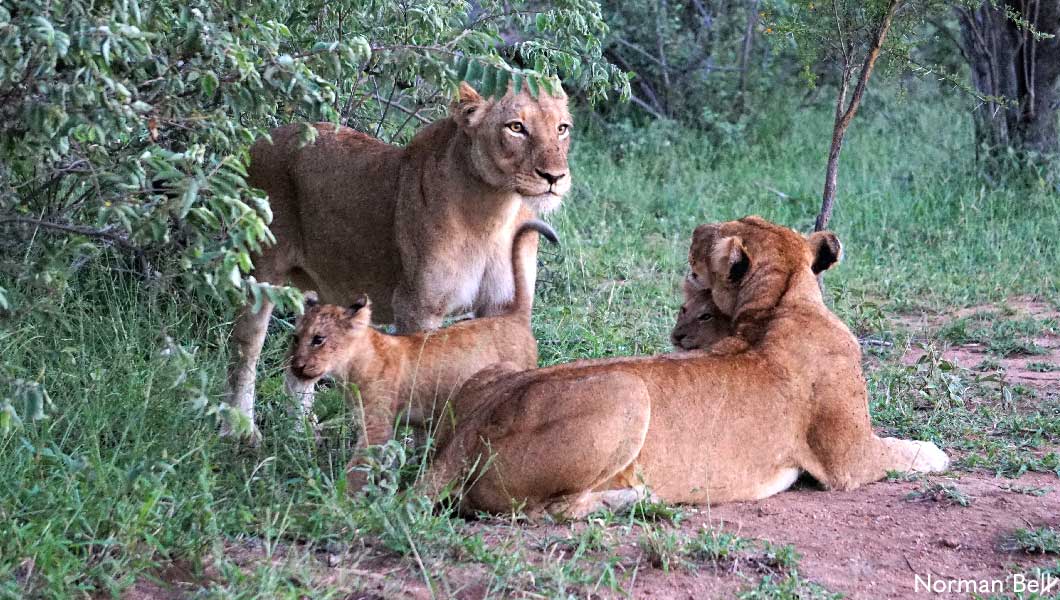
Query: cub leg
{"points": [[377, 427], [248, 336]]}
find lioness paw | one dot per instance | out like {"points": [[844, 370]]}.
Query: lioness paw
{"points": [[924, 457]]}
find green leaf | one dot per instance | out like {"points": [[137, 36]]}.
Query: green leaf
{"points": [[501, 83]]}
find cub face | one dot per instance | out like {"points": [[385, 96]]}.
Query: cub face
{"points": [[326, 335], [700, 323]]}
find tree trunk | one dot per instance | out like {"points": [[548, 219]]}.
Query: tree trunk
{"points": [[1017, 72], [843, 116]]}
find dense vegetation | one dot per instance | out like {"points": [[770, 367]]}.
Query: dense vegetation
{"points": [[125, 226]]}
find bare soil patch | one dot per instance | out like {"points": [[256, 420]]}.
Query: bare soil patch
{"points": [[869, 543], [1039, 371]]}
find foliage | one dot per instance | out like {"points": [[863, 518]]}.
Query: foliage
{"points": [[689, 60], [122, 483], [124, 128]]}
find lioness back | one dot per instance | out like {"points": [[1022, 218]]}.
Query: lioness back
{"points": [[333, 210]]}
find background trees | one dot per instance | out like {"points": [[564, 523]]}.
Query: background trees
{"points": [[124, 127], [1013, 55]]}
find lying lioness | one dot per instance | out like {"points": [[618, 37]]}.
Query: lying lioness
{"points": [[696, 427], [417, 373]]}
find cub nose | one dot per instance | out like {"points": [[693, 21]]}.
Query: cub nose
{"points": [[677, 338], [551, 178]]}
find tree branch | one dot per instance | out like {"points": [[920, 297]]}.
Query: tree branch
{"points": [[75, 229]]}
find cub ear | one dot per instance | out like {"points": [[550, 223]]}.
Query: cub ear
{"points": [[359, 304], [699, 252], [467, 108], [827, 250], [731, 258], [310, 299]]}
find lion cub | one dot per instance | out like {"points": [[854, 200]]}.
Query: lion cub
{"points": [[702, 326], [691, 427], [412, 373]]}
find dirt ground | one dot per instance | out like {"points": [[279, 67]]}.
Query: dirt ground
{"points": [[870, 543]]}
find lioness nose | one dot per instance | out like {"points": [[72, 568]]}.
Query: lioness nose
{"points": [[551, 178]]}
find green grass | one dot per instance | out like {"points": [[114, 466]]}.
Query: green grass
{"points": [[125, 478]]}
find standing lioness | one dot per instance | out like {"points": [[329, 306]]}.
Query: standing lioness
{"points": [[425, 230], [695, 427]]}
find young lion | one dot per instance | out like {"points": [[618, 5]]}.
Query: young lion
{"points": [[424, 230], [701, 325], [416, 373], [695, 427]]}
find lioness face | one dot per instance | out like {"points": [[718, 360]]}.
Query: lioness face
{"points": [[519, 143], [754, 254], [326, 335], [699, 322]]}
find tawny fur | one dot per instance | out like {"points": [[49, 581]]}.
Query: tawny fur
{"points": [[702, 326], [414, 375], [695, 427], [424, 230]]}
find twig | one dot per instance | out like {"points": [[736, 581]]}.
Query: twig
{"points": [[75, 229], [415, 114], [647, 107]]}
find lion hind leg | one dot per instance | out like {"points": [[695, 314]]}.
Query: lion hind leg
{"points": [[579, 506], [871, 460]]}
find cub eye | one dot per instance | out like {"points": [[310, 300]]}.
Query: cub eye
{"points": [[706, 317], [564, 129], [317, 340], [516, 127]]}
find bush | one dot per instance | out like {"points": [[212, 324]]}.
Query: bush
{"points": [[124, 128]]}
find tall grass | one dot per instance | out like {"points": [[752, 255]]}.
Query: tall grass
{"points": [[124, 478]]}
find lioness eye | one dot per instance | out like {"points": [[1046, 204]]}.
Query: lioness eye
{"points": [[564, 129], [317, 340], [706, 317], [516, 127]]}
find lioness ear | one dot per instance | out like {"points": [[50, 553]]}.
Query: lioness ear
{"points": [[466, 108], [827, 250], [731, 257], [310, 299]]}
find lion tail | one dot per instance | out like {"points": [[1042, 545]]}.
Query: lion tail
{"points": [[524, 292]]}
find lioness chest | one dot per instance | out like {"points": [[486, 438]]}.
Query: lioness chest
{"points": [[481, 264]]}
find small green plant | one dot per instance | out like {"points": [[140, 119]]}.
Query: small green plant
{"points": [[662, 547], [1042, 367], [721, 548], [1043, 540], [651, 511], [939, 492], [1028, 490]]}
